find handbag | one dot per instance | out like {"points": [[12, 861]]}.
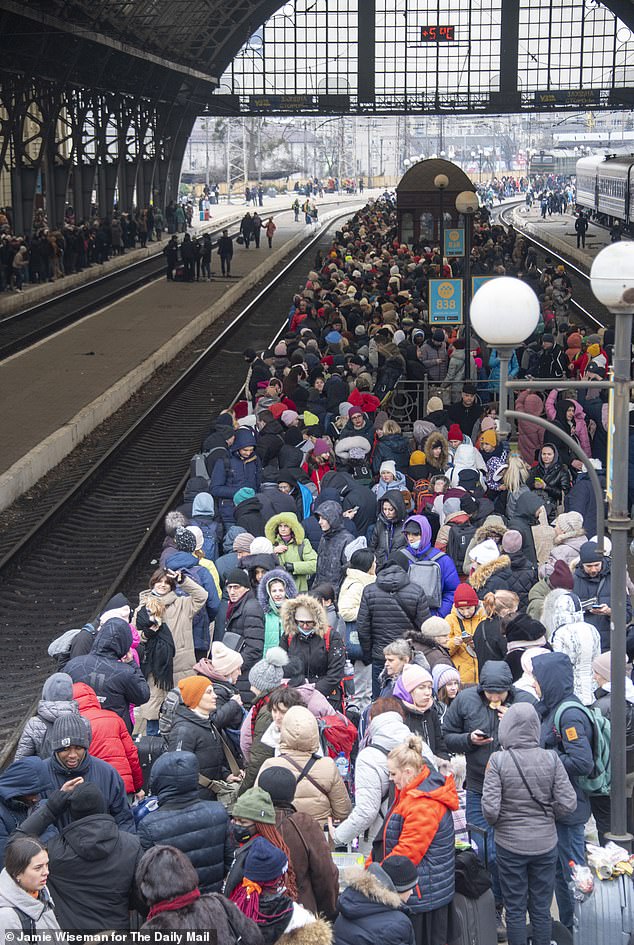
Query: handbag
{"points": [[225, 791]]}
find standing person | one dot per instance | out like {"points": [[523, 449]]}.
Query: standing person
{"points": [[296, 208], [581, 228], [57, 699], [320, 650], [245, 621], [225, 251], [246, 229], [600, 803], [419, 825], [171, 257], [205, 257], [24, 897], [256, 228], [572, 741], [270, 231], [526, 789]]}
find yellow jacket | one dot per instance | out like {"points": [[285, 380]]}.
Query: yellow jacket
{"points": [[463, 654]]}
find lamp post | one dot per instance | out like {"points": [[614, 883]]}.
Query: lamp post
{"points": [[441, 182], [612, 281], [504, 313], [467, 204]]}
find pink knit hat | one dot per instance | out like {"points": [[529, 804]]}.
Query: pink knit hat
{"points": [[225, 661], [414, 675]]}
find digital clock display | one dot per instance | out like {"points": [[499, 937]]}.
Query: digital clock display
{"points": [[437, 34]]}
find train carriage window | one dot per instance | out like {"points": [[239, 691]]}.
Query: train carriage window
{"points": [[407, 228], [426, 224]]}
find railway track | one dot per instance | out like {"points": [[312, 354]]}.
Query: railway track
{"points": [[20, 331], [100, 534], [588, 310]]}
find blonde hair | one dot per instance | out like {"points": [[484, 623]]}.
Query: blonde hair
{"points": [[155, 607], [458, 765], [495, 604], [391, 426], [515, 474], [409, 754]]}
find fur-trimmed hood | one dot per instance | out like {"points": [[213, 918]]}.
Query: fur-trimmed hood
{"points": [[284, 518], [492, 527], [436, 439], [370, 887], [277, 574], [290, 607], [318, 932], [482, 574], [575, 539]]}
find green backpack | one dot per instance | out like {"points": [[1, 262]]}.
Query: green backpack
{"points": [[599, 781]]}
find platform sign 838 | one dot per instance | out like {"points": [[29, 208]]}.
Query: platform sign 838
{"points": [[445, 301]]}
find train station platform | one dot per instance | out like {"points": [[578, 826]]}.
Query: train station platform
{"points": [[558, 231], [59, 390]]}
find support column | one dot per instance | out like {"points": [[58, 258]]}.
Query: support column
{"points": [[509, 46], [366, 56]]}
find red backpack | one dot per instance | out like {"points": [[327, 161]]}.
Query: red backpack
{"points": [[337, 734]]}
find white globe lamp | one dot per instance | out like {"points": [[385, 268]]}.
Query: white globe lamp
{"points": [[504, 311], [612, 277]]}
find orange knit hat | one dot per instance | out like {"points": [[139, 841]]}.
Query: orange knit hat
{"points": [[193, 689]]}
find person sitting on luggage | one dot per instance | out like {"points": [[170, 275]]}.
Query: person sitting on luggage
{"points": [[371, 905]]}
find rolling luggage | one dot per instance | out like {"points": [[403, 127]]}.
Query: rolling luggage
{"points": [[473, 919], [607, 915]]}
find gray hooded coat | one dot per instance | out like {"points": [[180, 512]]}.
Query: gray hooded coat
{"points": [[521, 824], [57, 699], [330, 557]]}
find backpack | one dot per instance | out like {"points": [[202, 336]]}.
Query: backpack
{"points": [[599, 781], [360, 471], [168, 712], [426, 574], [337, 734], [459, 539], [60, 648], [422, 491]]}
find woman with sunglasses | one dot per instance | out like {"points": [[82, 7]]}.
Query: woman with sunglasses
{"points": [[307, 637]]}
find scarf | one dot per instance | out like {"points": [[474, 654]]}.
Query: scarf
{"points": [[172, 905], [158, 657]]}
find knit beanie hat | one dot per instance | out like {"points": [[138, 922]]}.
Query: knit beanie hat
{"points": [[389, 466], [401, 871], [198, 536], [268, 673], [489, 437], [469, 479], [310, 419], [117, 606], [246, 492], [488, 423], [277, 410], [434, 403], [414, 675], [443, 674], [58, 688], [85, 800], [561, 576], [280, 783], [435, 627], [601, 665], [321, 447], [261, 546], [455, 433], [238, 576], [569, 522], [594, 351], [193, 689], [184, 540], [465, 596], [280, 349], [224, 660], [264, 862], [243, 541], [417, 458], [588, 553], [512, 541], [288, 417], [255, 804], [70, 729], [486, 552]]}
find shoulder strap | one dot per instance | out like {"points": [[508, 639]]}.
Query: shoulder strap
{"points": [[380, 748], [29, 927], [289, 820], [303, 772], [545, 809], [233, 765], [570, 705], [300, 550], [327, 639]]}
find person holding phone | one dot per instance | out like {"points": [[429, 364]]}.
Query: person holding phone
{"points": [[470, 726], [593, 586]]}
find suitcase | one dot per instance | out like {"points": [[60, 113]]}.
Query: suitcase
{"points": [[179, 274], [607, 915], [149, 747], [474, 921]]}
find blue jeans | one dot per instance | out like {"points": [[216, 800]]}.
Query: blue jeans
{"points": [[476, 817], [570, 846], [527, 882]]}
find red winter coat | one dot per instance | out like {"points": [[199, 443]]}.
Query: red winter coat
{"points": [[530, 436], [111, 740]]}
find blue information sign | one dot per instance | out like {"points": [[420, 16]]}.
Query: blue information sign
{"points": [[454, 241], [445, 301], [478, 281]]}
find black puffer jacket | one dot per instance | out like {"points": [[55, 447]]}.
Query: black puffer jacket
{"points": [[389, 607], [118, 685], [199, 828], [516, 573], [330, 556], [247, 620], [323, 663], [93, 864], [192, 733], [470, 711], [270, 442], [556, 478], [388, 536]]}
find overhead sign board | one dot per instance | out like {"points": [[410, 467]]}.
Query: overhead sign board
{"points": [[445, 301], [438, 34], [478, 281]]}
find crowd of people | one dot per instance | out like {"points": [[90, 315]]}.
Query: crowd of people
{"points": [[357, 637]]}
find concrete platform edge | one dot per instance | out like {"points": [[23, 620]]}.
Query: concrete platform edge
{"points": [[39, 461], [558, 246]]}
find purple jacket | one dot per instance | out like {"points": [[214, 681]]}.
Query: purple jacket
{"points": [[450, 579]]}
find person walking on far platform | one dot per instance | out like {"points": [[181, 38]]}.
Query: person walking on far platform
{"points": [[270, 231], [246, 229], [581, 228], [256, 228], [171, 257], [225, 251], [295, 208]]}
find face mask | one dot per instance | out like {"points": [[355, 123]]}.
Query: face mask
{"points": [[415, 544], [241, 833], [305, 632]]}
